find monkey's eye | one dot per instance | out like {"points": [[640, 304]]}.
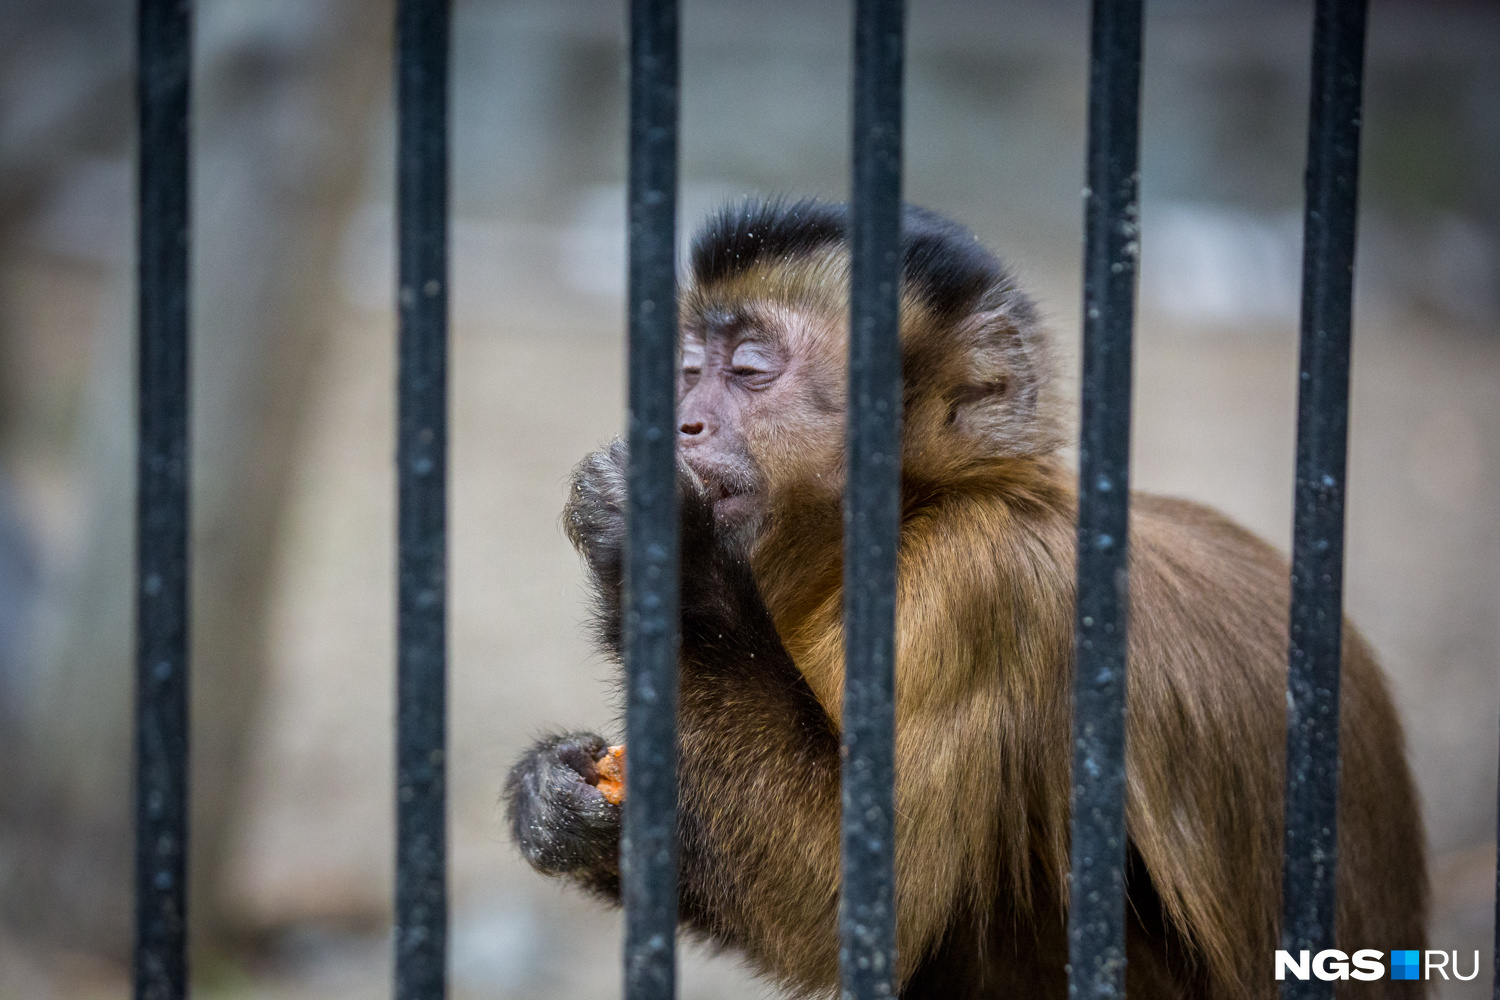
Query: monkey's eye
{"points": [[751, 359], [692, 358]]}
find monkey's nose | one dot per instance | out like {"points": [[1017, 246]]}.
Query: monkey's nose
{"points": [[693, 428]]}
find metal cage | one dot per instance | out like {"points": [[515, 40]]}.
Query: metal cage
{"points": [[867, 911]]}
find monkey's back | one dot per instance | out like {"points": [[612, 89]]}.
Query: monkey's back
{"points": [[1207, 753]]}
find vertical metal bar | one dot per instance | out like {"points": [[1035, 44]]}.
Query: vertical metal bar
{"points": [[164, 70], [1308, 883], [872, 508], [649, 841], [422, 40], [1096, 922]]}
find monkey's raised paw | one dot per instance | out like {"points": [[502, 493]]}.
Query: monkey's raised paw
{"points": [[594, 517]]}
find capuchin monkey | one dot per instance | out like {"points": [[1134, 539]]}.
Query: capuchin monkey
{"points": [[984, 658]]}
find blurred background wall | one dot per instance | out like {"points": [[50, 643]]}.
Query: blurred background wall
{"points": [[293, 365]]}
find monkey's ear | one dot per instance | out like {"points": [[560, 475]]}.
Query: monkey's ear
{"points": [[997, 401]]}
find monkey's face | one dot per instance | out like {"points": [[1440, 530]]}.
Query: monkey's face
{"points": [[760, 401]]}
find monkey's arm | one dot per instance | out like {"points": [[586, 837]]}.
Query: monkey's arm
{"points": [[758, 814], [559, 818]]}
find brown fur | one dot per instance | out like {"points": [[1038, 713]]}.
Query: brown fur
{"points": [[984, 664]]}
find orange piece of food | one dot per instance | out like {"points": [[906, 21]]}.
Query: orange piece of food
{"points": [[611, 768]]}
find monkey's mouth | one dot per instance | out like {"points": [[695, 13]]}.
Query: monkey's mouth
{"points": [[734, 508], [730, 485], [729, 494]]}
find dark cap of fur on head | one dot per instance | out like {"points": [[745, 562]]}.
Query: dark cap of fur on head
{"points": [[941, 261]]}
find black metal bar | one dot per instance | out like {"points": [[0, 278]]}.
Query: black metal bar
{"points": [[1308, 889], [1096, 921], [872, 508], [163, 77], [422, 42], [648, 845]]}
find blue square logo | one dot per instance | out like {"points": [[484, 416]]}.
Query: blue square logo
{"points": [[1405, 964]]}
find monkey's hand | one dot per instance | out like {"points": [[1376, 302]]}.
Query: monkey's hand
{"points": [[594, 517], [594, 520], [561, 821]]}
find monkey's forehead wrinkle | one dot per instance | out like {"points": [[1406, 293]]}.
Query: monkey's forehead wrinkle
{"points": [[761, 320], [729, 321], [944, 262]]}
